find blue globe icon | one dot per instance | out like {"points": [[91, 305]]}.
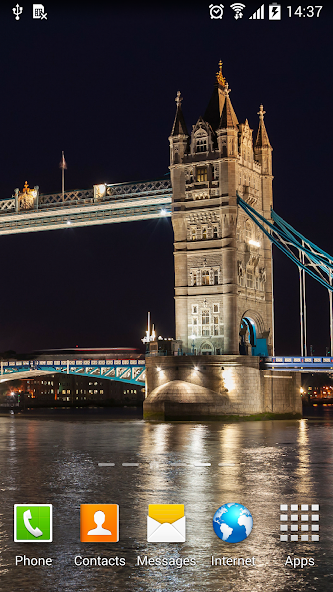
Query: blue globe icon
{"points": [[232, 523]]}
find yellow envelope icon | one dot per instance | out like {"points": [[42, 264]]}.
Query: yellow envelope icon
{"points": [[166, 523]]}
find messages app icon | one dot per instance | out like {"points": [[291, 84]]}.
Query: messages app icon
{"points": [[33, 523], [166, 523]]}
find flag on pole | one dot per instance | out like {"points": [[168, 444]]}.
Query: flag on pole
{"points": [[63, 166], [62, 163]]}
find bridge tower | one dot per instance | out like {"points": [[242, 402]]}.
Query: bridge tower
{"points": [[223, 262]]}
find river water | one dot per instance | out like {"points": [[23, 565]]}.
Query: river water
{"points": [[53, 458]]}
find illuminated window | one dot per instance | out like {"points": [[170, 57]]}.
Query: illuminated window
{"points": [[205, 277], [216, 325], [204, 232], [101, 392], [249, 278], [205, 322], [202, 145], [248, 231], [201, 174]]}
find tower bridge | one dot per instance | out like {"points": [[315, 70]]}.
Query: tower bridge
{"points": [[30, 211], [219, 196]]}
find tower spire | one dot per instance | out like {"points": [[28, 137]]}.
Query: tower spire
{"points": [[262, 140], [219, 76], [179, 125], [228, 115], [217, 103]]}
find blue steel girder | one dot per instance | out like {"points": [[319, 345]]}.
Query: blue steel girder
{"points": [[314, 261], [129, 371], [121, 202]]}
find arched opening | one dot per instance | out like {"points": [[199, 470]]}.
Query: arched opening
{"points": [[207, 349], [249, 342]]}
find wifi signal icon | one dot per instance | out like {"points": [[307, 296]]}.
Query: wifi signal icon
{"points": [[237, 7]]}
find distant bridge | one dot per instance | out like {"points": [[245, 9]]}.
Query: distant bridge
{"points": [[103, 204], [129, 371], [300, 364]]}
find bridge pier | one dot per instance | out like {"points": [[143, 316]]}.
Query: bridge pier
{"points": [[217, 388]]}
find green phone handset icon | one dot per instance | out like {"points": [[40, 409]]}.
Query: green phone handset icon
{"points": [[36, 532]]}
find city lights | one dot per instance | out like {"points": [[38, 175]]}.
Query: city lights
{"points": [[254, 243], [101, 189]]}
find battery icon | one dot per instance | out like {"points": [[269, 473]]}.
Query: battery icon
{"points": [[274, 12]]}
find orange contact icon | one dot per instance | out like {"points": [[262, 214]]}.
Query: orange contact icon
{"points": [[99, 523]]}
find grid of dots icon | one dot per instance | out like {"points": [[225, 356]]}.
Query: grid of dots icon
{"points": [[301, 521]]}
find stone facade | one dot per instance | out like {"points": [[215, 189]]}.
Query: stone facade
{"points": [[194, 387], [223, 263]]}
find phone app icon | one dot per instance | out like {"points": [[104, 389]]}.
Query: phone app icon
{"points": [[99, 523], [33, 523], [166, 523]]}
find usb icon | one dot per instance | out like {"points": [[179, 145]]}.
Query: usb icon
{"points": [[274, 12]]}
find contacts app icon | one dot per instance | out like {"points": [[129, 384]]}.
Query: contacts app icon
{"points": [[166, 523], [99, 523]]}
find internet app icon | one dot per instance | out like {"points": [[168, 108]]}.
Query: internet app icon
{"points": [[232, 523], [166, 523], [99, 523], [33, 523]]}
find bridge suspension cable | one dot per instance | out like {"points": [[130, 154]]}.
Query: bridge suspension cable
{"points": [[308, 257]]}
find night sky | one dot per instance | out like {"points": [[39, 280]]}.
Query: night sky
{"points": [[99, 82]]}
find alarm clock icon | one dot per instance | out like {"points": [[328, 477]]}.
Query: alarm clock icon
{"points": [[216, 11]]}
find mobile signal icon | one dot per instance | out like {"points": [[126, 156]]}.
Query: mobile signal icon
{"points": [[258, 14], [238, 9]]}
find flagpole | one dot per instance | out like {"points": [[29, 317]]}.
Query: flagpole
{"points": [[63, 166], [63, 175], [63, 182]]}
